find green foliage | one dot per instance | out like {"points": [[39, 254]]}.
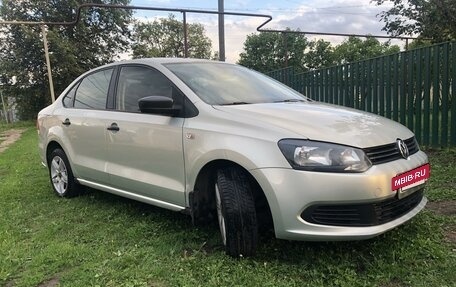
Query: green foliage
{"points": [[271, 51], [100, 35], [99, 239], [430, 19], [320, 54], [165, 38], [267, 51], [419, 43], [355, 49]]}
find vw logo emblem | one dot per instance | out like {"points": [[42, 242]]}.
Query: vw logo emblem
{"points": [[403, 149]]}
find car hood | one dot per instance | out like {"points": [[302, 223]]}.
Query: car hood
{"points": [[323, 122]]}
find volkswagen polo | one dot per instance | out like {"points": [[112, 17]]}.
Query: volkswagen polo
{"points": [[219, 141]]}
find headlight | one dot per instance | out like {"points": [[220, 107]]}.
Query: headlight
{"points": [[320, 156]]}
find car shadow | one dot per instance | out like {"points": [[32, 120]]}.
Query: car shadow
{"points": [[205, 240]]}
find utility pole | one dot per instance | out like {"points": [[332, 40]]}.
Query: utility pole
{"points": [[185, 34], [4, 106], [48, 63], [221, 24]]}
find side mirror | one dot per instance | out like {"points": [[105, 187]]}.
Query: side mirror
{"points": [[158, 105]]}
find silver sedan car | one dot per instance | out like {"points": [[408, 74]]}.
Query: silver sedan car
{"points": [[221, 142]]}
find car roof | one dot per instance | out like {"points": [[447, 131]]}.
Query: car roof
{"points": [[165, 61], [153, 62]]}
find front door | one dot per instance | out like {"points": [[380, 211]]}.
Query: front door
{"points": [[145, 153]]}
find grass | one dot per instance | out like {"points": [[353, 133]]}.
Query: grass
{"points": [[99, 239], [443, 172], [16, 125]]}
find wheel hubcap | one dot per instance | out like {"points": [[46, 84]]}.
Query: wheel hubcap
{"points": [[221, 218], [59, 175]]}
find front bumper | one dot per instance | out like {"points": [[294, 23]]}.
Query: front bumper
{"points": [[290, 192]]}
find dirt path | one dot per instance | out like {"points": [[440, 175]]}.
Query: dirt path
{"points": [[443, 207], [9, 137], [447, 208]]}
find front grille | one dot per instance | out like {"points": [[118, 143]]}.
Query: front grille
{"points": [[367, 214], [390, 152]]}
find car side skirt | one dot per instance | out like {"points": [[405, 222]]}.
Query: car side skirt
{"points": [[130, 195]]}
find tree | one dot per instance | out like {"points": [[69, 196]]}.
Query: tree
{"points": [[434, 19], [165, 38], [100, 35], [419, 43], [319, 55], [269, 51], [355, 49]]}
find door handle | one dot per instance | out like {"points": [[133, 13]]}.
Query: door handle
{"points": [[113, 127], [66, 122]]}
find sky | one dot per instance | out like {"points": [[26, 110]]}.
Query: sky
{"points": [[338, 16]]}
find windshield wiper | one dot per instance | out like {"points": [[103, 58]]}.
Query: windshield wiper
{"points": [[289, 101], [235, 103]]}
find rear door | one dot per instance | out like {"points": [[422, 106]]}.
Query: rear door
{"points": [[84, 125], [145, 154]]}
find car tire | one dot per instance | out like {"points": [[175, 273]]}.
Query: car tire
{"points": [[61, 175], [236, 212]]}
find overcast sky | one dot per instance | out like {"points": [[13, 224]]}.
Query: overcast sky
{"points": [[338, 16]]}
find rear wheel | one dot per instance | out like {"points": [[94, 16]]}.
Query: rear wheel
{"points": [[236, 212], [61, 175]]}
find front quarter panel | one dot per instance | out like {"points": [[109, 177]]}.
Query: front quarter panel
{"points": [[214, 136]]}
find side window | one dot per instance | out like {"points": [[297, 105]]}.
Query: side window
{"points": [[93, 91], [138, 82], [68, 100]]}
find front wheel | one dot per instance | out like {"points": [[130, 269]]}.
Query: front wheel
{"points": [[236, 212], [61, 175]]}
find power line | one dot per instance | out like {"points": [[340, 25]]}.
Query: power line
{"points": [[330, 10], [303, 10], [331, 7]]}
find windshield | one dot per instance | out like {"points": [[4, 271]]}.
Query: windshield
{"points": [[224, 84]]}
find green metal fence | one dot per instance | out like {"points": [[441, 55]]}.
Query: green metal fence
{"points": [[416, 88]]}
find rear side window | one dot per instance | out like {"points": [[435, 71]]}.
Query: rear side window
{"points": [[68, 100], [92, 93], [136, 82]]}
